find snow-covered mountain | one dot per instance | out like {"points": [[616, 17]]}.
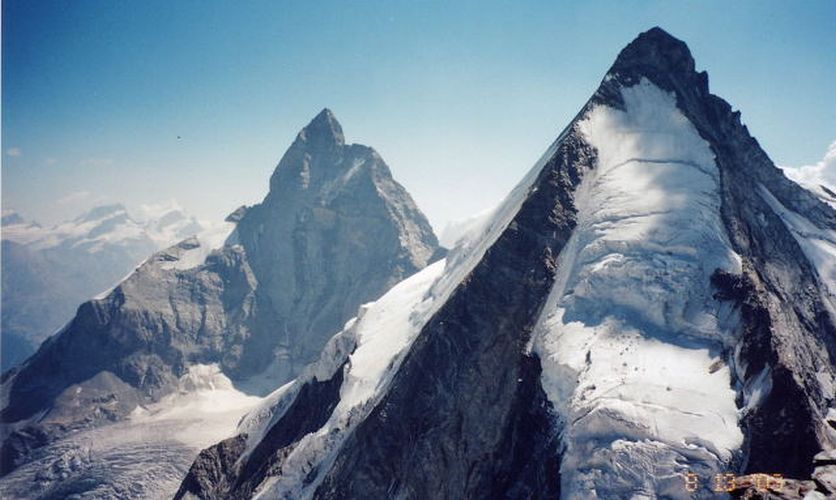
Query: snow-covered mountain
{"points": [[653, 305], [820, 178], [48, 271], [121, 400]]}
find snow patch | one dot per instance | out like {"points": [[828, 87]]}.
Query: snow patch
{"points": [[205, 409]]}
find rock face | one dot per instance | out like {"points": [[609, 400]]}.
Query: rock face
{"points": [[653, 299], [49, 271], [335, 231], [334, 225]]}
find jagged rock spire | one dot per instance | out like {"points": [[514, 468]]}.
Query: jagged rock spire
{"points": [[323, 130], [314, 156], [658, 49]]}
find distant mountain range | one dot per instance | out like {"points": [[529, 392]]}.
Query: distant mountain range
{"points": [[48, 271]]}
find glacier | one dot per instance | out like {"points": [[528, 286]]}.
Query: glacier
{"points": [[146, 455], [630, 339]]}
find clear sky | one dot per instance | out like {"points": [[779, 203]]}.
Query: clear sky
{"points": [[460, 98]]}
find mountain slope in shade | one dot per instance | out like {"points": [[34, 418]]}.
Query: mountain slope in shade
{"points": [[654, 299], [49, 271], [334, 231]]}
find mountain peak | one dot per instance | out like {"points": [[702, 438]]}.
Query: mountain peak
{"points": [[316, 155], [657, 35], [323, 130], [659, 57], [326, 115], [655, 51]]}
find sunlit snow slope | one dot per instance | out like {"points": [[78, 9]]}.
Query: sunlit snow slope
{"points": [[630, 338]]}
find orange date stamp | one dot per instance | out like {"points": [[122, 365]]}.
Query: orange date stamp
{"points": [[728, 482]]}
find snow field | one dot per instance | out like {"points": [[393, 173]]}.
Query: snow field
{"points": [[631, 341]]}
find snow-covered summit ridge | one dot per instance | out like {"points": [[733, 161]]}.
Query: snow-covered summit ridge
{"points": [[783, 366], [667, 62]]}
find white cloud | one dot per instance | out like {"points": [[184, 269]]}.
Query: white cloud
{"points": [[51, 161], [75, 197], [154, 211], [822, 173], [14, 152]]}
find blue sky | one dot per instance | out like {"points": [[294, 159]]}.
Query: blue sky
{"points": [[460, 98]]}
